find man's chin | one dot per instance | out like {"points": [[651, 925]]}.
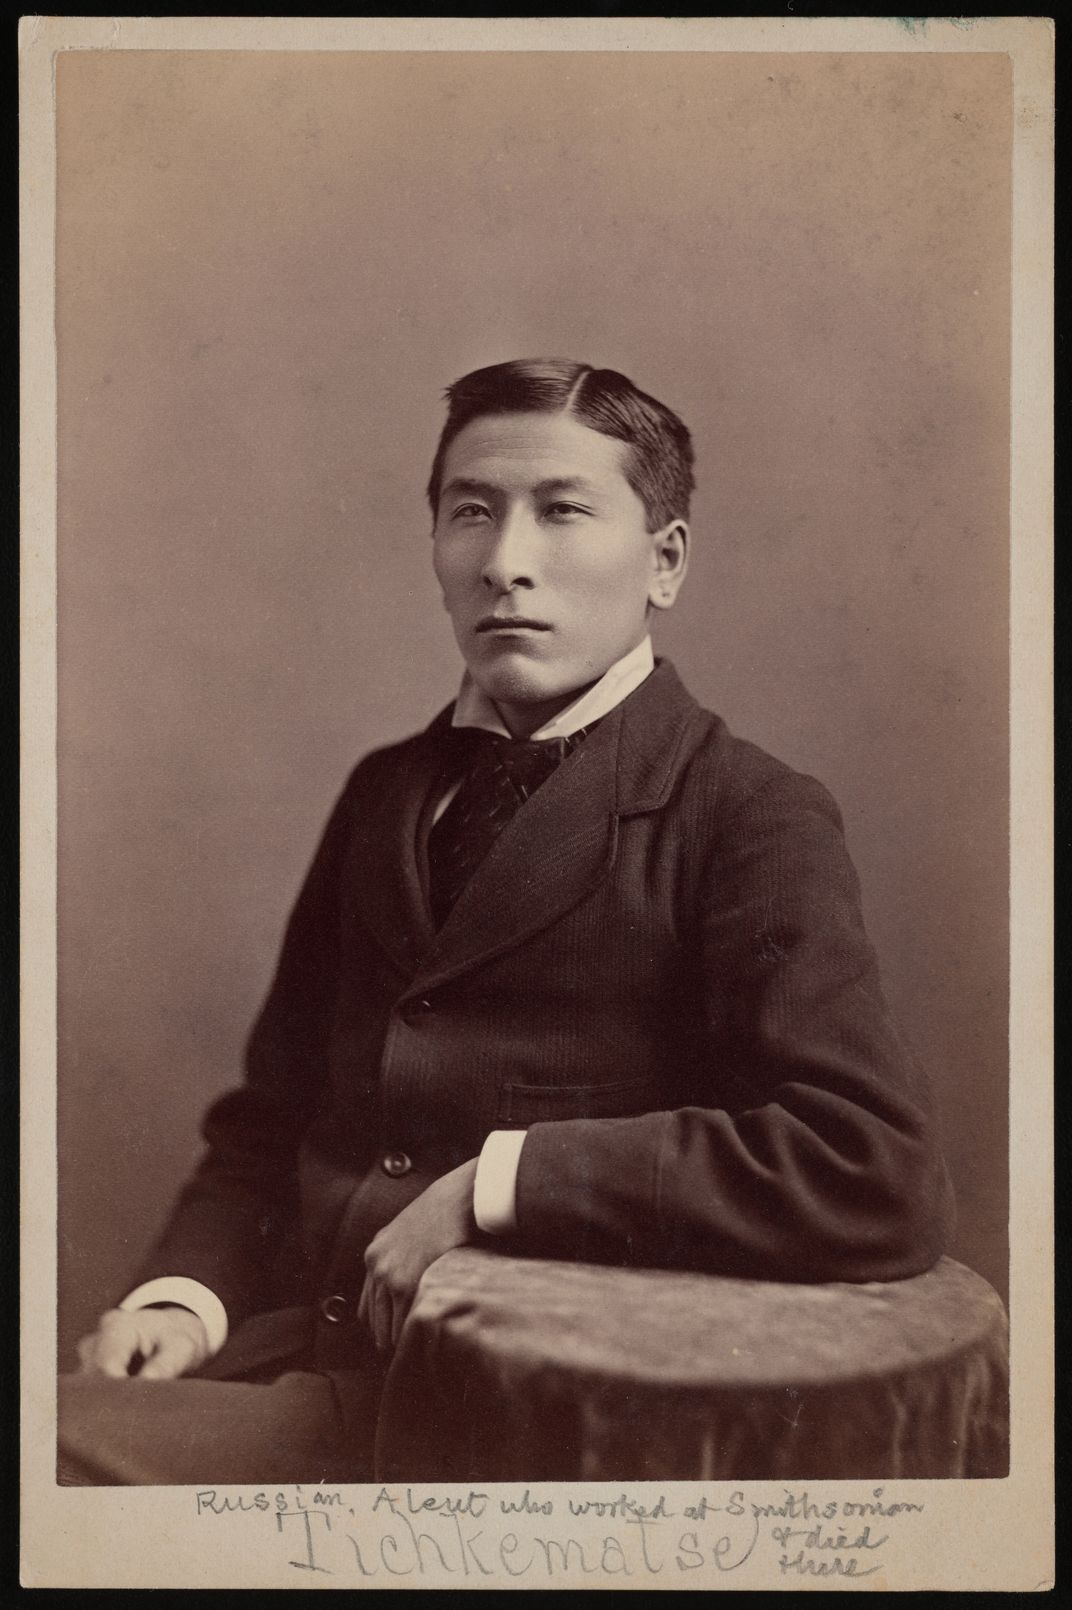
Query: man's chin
{"points": [[510, 696], [517, 684]]}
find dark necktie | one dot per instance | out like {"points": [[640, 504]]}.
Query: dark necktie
{"points": [[499, 776]]}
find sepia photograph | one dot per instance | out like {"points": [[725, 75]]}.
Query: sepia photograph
{"points": [[532, 950]]}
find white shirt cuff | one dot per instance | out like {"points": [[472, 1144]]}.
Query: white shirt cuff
{"points": [[495, 1190], [184, 1293]]}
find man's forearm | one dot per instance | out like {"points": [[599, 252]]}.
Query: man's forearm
{"points": [[494, 1208]]}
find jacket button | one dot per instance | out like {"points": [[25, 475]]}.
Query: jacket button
{"points": [[419, 1008], [396, 1164], [334, 1309]]}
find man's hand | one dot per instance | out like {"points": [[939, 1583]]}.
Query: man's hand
{"points": [[171, 1341], [440, 1218]]}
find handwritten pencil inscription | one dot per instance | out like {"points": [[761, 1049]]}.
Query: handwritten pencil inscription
{"points": [[536, 1536]]}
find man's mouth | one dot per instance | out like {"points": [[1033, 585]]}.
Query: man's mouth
{"points": [[511, 623]]}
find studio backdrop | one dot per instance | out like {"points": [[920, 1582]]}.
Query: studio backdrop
{"points": [[270, 265]]}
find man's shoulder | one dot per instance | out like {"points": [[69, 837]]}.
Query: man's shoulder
{"points": [[742, 766], [384, 760], [725, 775]]}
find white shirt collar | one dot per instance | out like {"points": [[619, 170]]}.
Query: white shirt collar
{"points": [[473, 708]]}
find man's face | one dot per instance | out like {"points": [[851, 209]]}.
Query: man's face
{"points": [[545, 560]]}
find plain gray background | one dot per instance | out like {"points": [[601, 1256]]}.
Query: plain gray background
{"points": [[269, 266]]}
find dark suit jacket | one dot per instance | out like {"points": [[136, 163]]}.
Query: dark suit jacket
{"points": [[660, 970]]}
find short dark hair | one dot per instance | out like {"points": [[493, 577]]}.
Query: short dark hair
{"points": [[660, 459]]}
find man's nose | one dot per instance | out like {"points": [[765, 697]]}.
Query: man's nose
{"points": [[510, 560]]}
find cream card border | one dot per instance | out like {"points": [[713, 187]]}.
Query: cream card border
{"points": [[971, 1535]]}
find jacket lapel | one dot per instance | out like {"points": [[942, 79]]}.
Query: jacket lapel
{"points": [[548, 857], [561, 845], [386, 873]]}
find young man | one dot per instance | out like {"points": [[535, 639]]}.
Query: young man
{"points": [[575, 972]]}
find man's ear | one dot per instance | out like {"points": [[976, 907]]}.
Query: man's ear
{"points": [[670, 560]]}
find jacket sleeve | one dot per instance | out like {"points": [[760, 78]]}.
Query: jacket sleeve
{"points": [[810, 1153], [232, 1219]]}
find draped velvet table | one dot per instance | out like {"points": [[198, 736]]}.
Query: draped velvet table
{"points": [[517, 1369]]}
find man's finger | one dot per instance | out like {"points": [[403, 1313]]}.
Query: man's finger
{"points": [[87, 1349], [363, 1317], [403, 1302], [381, 1317], [114, 1349], [368, 1307], [171, 1359], [115, 1344]]}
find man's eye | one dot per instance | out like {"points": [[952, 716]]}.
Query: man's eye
{"points": [[469, 511], [565, 511]]}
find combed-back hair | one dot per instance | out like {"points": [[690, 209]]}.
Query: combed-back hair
{"points": [[659, 463]]}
